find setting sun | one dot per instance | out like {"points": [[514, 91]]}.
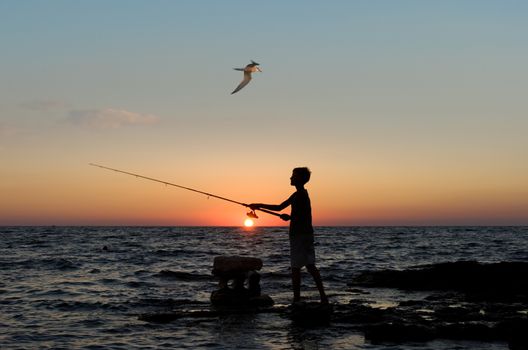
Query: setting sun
{"points": [[248, 222]]}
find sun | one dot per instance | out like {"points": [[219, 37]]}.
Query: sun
{"points": [[248, 222]]}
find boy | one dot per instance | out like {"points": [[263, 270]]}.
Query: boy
{"points": [[302, 252]]}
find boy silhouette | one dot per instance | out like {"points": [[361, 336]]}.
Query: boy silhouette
{"points": [[301, 233]]}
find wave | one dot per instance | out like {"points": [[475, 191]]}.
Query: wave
{"points": [[182, 276], [72, 305], [62, 282], [46, 263]]}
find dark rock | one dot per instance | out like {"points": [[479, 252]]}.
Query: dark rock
{"points": [[449, 313], [229, 297], [518, 344], [497, 281], [423, 320], [357, 313], [398, 333], [229, 265], [404, 323], [254, 283], [239, 270], [411, 303], [444, 295], [515, 331], [311, 313], [263, 300], [468, 331]]}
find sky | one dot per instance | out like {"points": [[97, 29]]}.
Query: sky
{"points": [[406, 112]]}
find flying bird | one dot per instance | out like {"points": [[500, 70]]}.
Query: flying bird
{"points": [[250, 68]]}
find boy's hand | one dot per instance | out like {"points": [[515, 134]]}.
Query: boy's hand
{"points": [[285, 217], [254, 206]]}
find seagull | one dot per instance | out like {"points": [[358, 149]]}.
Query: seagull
{"points": [[250, 68]]}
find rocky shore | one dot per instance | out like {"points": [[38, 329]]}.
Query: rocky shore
{"points": [[466, 300], [463, 300]]}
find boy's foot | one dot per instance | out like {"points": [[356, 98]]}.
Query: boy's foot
{"points": [[324, 300]]}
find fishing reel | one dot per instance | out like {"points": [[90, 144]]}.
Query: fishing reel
{"points": [[252, 214]]}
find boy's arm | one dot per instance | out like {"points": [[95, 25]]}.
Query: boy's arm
{"points": [[274, 207]]}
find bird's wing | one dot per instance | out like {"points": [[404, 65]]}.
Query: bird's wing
{"points": [[244, 82]]}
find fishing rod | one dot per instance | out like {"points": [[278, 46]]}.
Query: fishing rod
{"points": [[251, 213]]}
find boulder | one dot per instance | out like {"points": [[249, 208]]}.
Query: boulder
{"points": [[241, 271], [233, 265]]}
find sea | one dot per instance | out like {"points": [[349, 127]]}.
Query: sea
{"points": [[84, 287]]}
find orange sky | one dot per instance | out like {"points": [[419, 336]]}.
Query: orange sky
{"points": [[93, 196]]}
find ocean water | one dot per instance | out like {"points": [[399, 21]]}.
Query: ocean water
{"points": [[84, 287]]}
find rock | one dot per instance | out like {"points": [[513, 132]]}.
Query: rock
{"points": [[254, 283], [468, 331], [263, 300], [412, 321], [311, 313], [449, 318], [398, 332], [358, 313], [239, 270], [515, 331], [230, 297], [479, 281], [223, 265]]}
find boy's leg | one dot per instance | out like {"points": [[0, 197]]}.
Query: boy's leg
{"points": [[318, 282], [296, 283]]}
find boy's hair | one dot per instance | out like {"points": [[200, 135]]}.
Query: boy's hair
{"points": [[303, 173]]}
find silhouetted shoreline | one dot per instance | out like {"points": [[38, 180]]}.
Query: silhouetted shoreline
{"points": [[467, 301]]}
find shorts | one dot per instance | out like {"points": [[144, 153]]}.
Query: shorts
{"points": [[302, 250]]}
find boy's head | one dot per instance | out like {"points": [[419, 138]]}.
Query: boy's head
{"points": [[300, 176]]}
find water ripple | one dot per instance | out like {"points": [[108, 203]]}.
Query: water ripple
{"points": [[82, 287]]}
